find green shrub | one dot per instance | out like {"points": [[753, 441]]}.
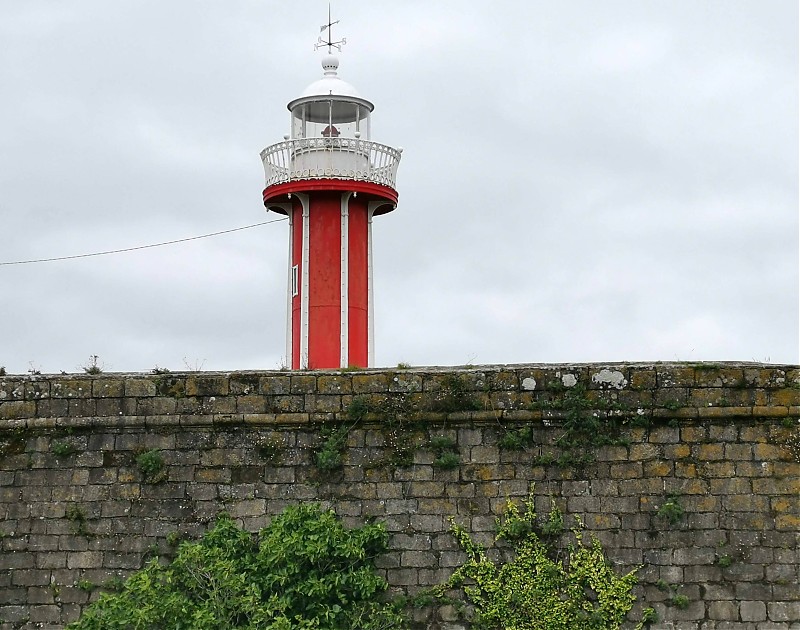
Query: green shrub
{"points": [[537, 590], [151, 465], [304, 571], [671, 510]]}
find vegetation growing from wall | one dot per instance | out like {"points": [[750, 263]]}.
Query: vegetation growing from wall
{"points": [[151, 465], [537, 589], [589, 422], [303, 571]]}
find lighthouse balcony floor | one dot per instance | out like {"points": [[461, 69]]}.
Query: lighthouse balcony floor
{"points": [[331, 158]]}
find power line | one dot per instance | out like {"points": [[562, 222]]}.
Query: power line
{"points": [[131, 249]]}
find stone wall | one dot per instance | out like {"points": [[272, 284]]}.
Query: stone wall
{"points": [[718, 442]]}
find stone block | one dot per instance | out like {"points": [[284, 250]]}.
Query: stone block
{"points": [[671, 376], [323, 404], [693, 434], [725, 469], [71, 388], [84, 560], [658, 468], [752, 611], [207, 385], [630, 470], [693, 556], [52, 408], [403, 577], [373, 383], [784, 611], [17, 409], [785, 397], [405, 382], [284, 405], [665, 435], [335, 384], [139, 387], [303, 384], [35, 389], [644, 450], [30, 577], [611, 454], [45, 614], [420, 559], [769, 452], [108, 387], [619, 505], [643, 378], [746, 503], [695, 611], [739, 451], [274, 384]]}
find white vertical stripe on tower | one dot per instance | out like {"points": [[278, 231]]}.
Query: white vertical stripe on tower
{"points": [[304, 284], [372, 206], [344, 311]]}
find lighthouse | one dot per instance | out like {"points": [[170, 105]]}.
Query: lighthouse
{"points": [[330, 179]]}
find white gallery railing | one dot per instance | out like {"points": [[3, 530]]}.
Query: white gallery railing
{"points": [[330, 158]]}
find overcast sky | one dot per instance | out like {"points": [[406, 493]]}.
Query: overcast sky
{"points": [[581, 181]]}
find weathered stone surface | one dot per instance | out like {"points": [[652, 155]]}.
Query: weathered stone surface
{"points": [[712, 437]]}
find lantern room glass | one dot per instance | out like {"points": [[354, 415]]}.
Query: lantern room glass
{"points": [[330, 118]]}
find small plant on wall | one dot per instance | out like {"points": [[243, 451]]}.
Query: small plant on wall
{"points": [[62, 448], [329, 455], [76, 515], [151, 465], [93, 367], [671, 510], [446, 452]]}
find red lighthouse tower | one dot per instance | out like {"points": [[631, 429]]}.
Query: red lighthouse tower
{"points": [[330, 179]]}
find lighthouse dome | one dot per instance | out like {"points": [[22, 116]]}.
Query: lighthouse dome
{"points": [[330, 107], [330, 83]]}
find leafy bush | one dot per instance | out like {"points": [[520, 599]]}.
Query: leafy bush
{"points": [[304, 571], [537, 590], [151, 465]]}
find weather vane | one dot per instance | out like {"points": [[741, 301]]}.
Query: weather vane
{"points": [[329, 42]]}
